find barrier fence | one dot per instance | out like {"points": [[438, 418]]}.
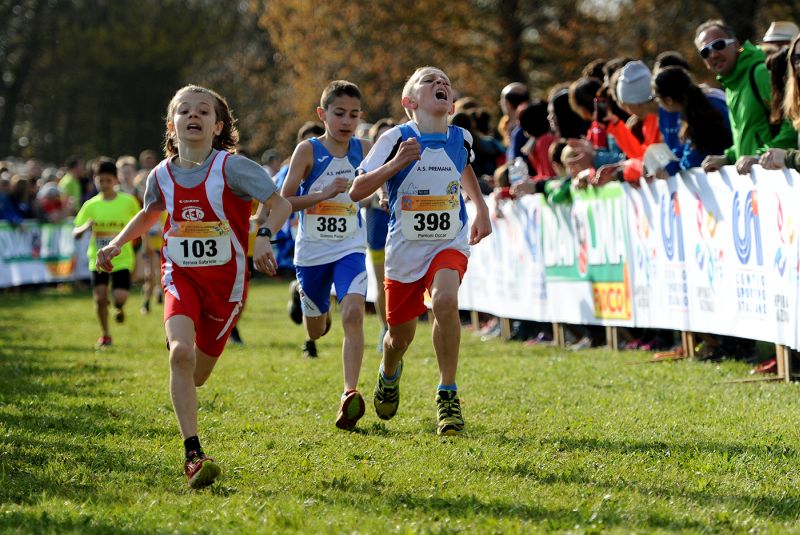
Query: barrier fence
{"points": [[715, 253]]}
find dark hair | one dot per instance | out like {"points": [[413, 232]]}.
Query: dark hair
{"points": [[309, 128], [72, 161], [594, 69], [463, 120], [515, 98], [582, 93], [380, 124], [227, 139], [338, 88], [704, 125], [570, 124], [482, 119], [615, 64], [714, 23], [778, 67], [533, 119], [104, 166], [555, 149], [670, 58]]}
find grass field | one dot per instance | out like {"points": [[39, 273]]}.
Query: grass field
{"points": [[558, 442]]}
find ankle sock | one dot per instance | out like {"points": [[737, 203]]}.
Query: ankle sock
{"points": [[388, 378], [192, 444], [449, 388]]}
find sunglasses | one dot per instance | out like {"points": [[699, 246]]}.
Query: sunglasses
{"points": [[716, 44]]}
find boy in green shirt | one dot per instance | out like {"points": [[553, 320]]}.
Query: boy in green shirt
{"points": [[105, 215]]}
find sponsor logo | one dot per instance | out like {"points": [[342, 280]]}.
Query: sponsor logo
{"points": [[671, 228], [322, 159], [423, 192], [452, 187], [187, 201], [192, 213], [747, 218]]}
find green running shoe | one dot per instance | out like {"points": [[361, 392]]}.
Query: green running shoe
{"points": [[449, 413], [386, 397], [350, 411]]}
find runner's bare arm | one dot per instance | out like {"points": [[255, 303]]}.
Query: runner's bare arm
{"points": [[366, 184], [482, 225], [137, 226]]}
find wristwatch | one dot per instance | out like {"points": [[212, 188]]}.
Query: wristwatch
{"points": [[264, 231]]}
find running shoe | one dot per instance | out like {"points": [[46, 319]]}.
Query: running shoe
{"points": [[386, 397], [295, 310], [119, 316], [350, 411], [310, 349], [449, 413], [103, 341], [201, 471]]}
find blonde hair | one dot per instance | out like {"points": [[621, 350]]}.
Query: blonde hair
{"points": [[227, 140], [408, 88], [791, 100]]}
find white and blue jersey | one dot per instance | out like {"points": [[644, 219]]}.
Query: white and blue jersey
{"points": [[427, 212], [331, 229]]}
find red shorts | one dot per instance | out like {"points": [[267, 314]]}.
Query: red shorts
{"points": [[213, 319], [406, 300]]}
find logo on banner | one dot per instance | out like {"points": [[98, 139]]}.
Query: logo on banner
{"points": [[706, 258], [751, 228], [786, 232], [671, 228]]}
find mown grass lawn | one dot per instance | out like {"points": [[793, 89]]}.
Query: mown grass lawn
{"points": [[554, 441]]}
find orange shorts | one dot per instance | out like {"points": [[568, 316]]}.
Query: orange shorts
{"points": [[406, 300], [213, 320]]}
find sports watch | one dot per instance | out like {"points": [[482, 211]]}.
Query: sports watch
{"points": [[264, 231]]}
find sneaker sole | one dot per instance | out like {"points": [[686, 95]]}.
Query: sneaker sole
{"points": [[208, 473], [451, 432], [350, 412]]}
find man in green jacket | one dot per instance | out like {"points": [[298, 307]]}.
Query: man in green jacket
{"points": [[741, 70]]}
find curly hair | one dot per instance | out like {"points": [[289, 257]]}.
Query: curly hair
{"points": [[227, 140]]}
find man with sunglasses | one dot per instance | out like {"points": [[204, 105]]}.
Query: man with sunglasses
{"points": [[741, 70]]}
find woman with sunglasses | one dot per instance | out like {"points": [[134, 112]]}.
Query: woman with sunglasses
{"points": [[779, 158], [741, 71]]}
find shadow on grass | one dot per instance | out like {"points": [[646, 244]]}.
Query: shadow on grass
{"points": [[33, 522], [365, 497], [768, 507]]}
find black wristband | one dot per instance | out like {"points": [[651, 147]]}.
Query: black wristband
{"points": [[264, 231]]}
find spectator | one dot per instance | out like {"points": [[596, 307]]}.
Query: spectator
{"points": [[533, 121], [513, 99], [703, 126], [778, 66], [779, 34], [126, 173], [635, 97], [70, 183], [741, 70], [564, 122], [21, 199], [779, 158], [584, 102], [270, 161], [489, 152]]}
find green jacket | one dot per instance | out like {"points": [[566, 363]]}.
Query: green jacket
{"points": [[749, 117]]}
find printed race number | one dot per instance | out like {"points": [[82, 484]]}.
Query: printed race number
{"points": [[194, 252], [199, 248], [332, 224], [431, 221]]}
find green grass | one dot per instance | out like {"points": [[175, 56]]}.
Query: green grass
{"points": [[554, 441]]}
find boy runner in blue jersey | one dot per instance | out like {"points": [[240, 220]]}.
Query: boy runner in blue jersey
{"points": [[330, 248], [425, 164]]}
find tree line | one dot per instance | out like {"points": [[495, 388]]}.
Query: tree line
{"points": [[93, 77]]}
